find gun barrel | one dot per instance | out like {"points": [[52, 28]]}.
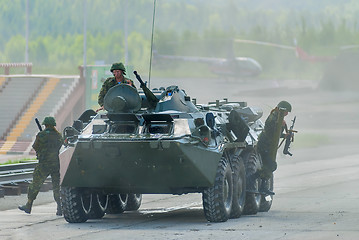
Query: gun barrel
{"points": [[139, 78], [38, 124], [151, 98]]}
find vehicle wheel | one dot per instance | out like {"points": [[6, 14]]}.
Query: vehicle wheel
{"points": [[217, 200], [76, 204], [253, 198], [266, 201], [239, 187], [99, 205], [133, 202], [117, 203]]}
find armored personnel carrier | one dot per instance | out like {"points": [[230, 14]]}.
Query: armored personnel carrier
{"points": [[162, 142]]}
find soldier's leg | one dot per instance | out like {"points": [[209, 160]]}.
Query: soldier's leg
{"points": [[39, 176], [266, 174], [55, 177], [266, 171]]}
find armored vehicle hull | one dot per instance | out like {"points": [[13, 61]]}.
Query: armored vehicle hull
{"points": [[162, 142], [146, 166]]}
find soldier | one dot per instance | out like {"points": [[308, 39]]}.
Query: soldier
{"points": [[117, 69], [268, 140], [47, 145]]}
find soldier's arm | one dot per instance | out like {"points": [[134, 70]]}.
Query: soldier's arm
{"points": [[130, 82], [284, 132], [60, 141], [102, 94], [35, 146]]}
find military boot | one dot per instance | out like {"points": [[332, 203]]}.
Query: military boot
{"points": [[27, 207], [59, 210], [265, 187]]}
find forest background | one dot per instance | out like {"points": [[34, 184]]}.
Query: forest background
{"points": [[182, 27]]}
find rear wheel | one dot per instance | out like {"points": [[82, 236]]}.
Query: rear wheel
{"points": [[99, 205], [239, 187], [266, 201], [253, 198], [76, 204], [117, 203], [133, 202], [217, 200]]}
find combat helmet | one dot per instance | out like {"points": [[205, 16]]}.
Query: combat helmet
{"points": [[49, 121], [118, 66], [285, 106]]}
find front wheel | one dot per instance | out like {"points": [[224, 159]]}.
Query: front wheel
{"points": [[76, 204], [217, 200]]}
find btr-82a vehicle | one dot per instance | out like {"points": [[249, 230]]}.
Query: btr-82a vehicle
{"points": [[162, 142]]}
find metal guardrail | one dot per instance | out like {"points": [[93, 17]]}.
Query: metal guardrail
{"points": [[15, 173], [8, 66]]}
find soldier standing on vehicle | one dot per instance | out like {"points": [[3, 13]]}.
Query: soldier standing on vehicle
{"points": [[268, 140], [118, 70], [47, 146]]}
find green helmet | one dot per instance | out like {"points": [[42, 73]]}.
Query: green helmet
{"points": [[285, 105], [49, 121], [118, 66]]}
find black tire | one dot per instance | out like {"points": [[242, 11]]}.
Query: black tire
{"points": [[117, 203], [239, 187], [99, 205], [253, 198], [133, 202], [217, 200], [76, 204], [266, 201]]}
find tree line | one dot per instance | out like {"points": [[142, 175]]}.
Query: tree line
{"points": [[186, 27]]}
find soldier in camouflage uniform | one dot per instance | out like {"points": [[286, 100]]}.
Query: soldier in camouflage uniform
{"points": [[268, 140], [118, 71], [47, 145]]}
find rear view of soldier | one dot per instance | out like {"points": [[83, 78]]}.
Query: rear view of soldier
{"points": [[47, 145]]}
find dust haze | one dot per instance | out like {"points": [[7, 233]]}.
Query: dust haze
{"points": [[322, 85]]}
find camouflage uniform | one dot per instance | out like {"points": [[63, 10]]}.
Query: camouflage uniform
{"points": [[47, 145], [109, 83], [268, 142]]}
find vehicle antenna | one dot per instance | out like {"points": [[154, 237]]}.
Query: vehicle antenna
{"points": [[153, 27]]}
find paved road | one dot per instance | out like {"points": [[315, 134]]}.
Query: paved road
{"points": [[315, 199], [317, 190]]}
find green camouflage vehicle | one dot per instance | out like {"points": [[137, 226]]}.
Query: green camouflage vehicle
{"points": [[162, 142]]}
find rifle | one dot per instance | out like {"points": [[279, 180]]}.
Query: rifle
{"points": [[289, 138], [38, 124], [151, 98]]}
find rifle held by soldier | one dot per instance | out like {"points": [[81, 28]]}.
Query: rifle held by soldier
{"points": [[38, 124], [289, 138]]}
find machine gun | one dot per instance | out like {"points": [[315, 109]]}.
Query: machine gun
{"points": [[151, 98], [289, 138], [38, 124]]}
